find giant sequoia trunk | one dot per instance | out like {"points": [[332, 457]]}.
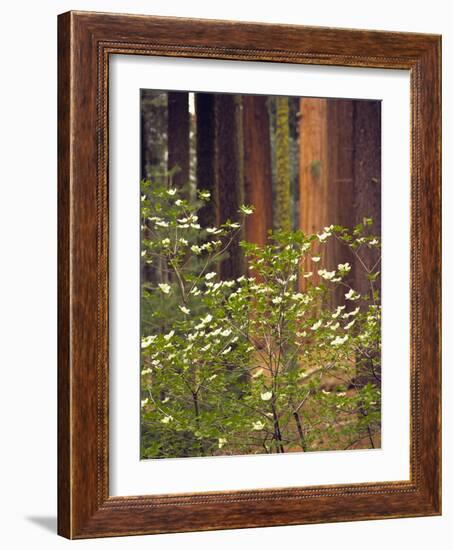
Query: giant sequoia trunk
{"points": [[205, 118], [340, 183], [340, 164], [179, 138], [257, 168], [367, 202], [367, 178], [228, 175], [313, 173]]}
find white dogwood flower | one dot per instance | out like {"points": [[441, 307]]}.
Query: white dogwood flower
{"points": [[352, 295], [337, 312], [164, 288], [147, 341], [247, 210], [266, 396], [317, 325], [344, 267], [258, 426], [328, 275], [339, 340], [257, 373]]}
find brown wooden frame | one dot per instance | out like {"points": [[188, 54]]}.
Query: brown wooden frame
{"points": [[85, 41]]}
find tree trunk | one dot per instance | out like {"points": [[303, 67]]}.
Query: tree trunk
{"points": [[205, 117], [367, 180], [340, 154], [178, 139], [228, 176], [367, 203], [143, 138], [283, 217], [257, 168], [313, 174], [326, 177]]}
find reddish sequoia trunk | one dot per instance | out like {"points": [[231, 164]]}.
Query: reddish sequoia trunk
{"points": [[257, 168], [337, 157], [367, 180]]}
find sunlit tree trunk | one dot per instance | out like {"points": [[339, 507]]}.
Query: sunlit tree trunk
{"points": [[313, 174], [326, 177]]}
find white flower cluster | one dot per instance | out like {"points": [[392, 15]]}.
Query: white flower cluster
{"points": [[328, 275], [322, 237]]}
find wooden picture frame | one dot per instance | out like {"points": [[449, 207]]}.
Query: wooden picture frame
{"points": [[85, 41]]}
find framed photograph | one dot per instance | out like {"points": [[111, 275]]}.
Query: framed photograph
{"points": [[249, 275]]}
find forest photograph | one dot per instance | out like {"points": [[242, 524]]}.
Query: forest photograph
{"points": [[260, 298]]}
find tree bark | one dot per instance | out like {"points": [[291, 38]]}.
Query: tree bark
{"points": [[228, 176], [257, 168], [179, 139], [205, 117], [143, 138], [367, 178], [326, 177]]}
